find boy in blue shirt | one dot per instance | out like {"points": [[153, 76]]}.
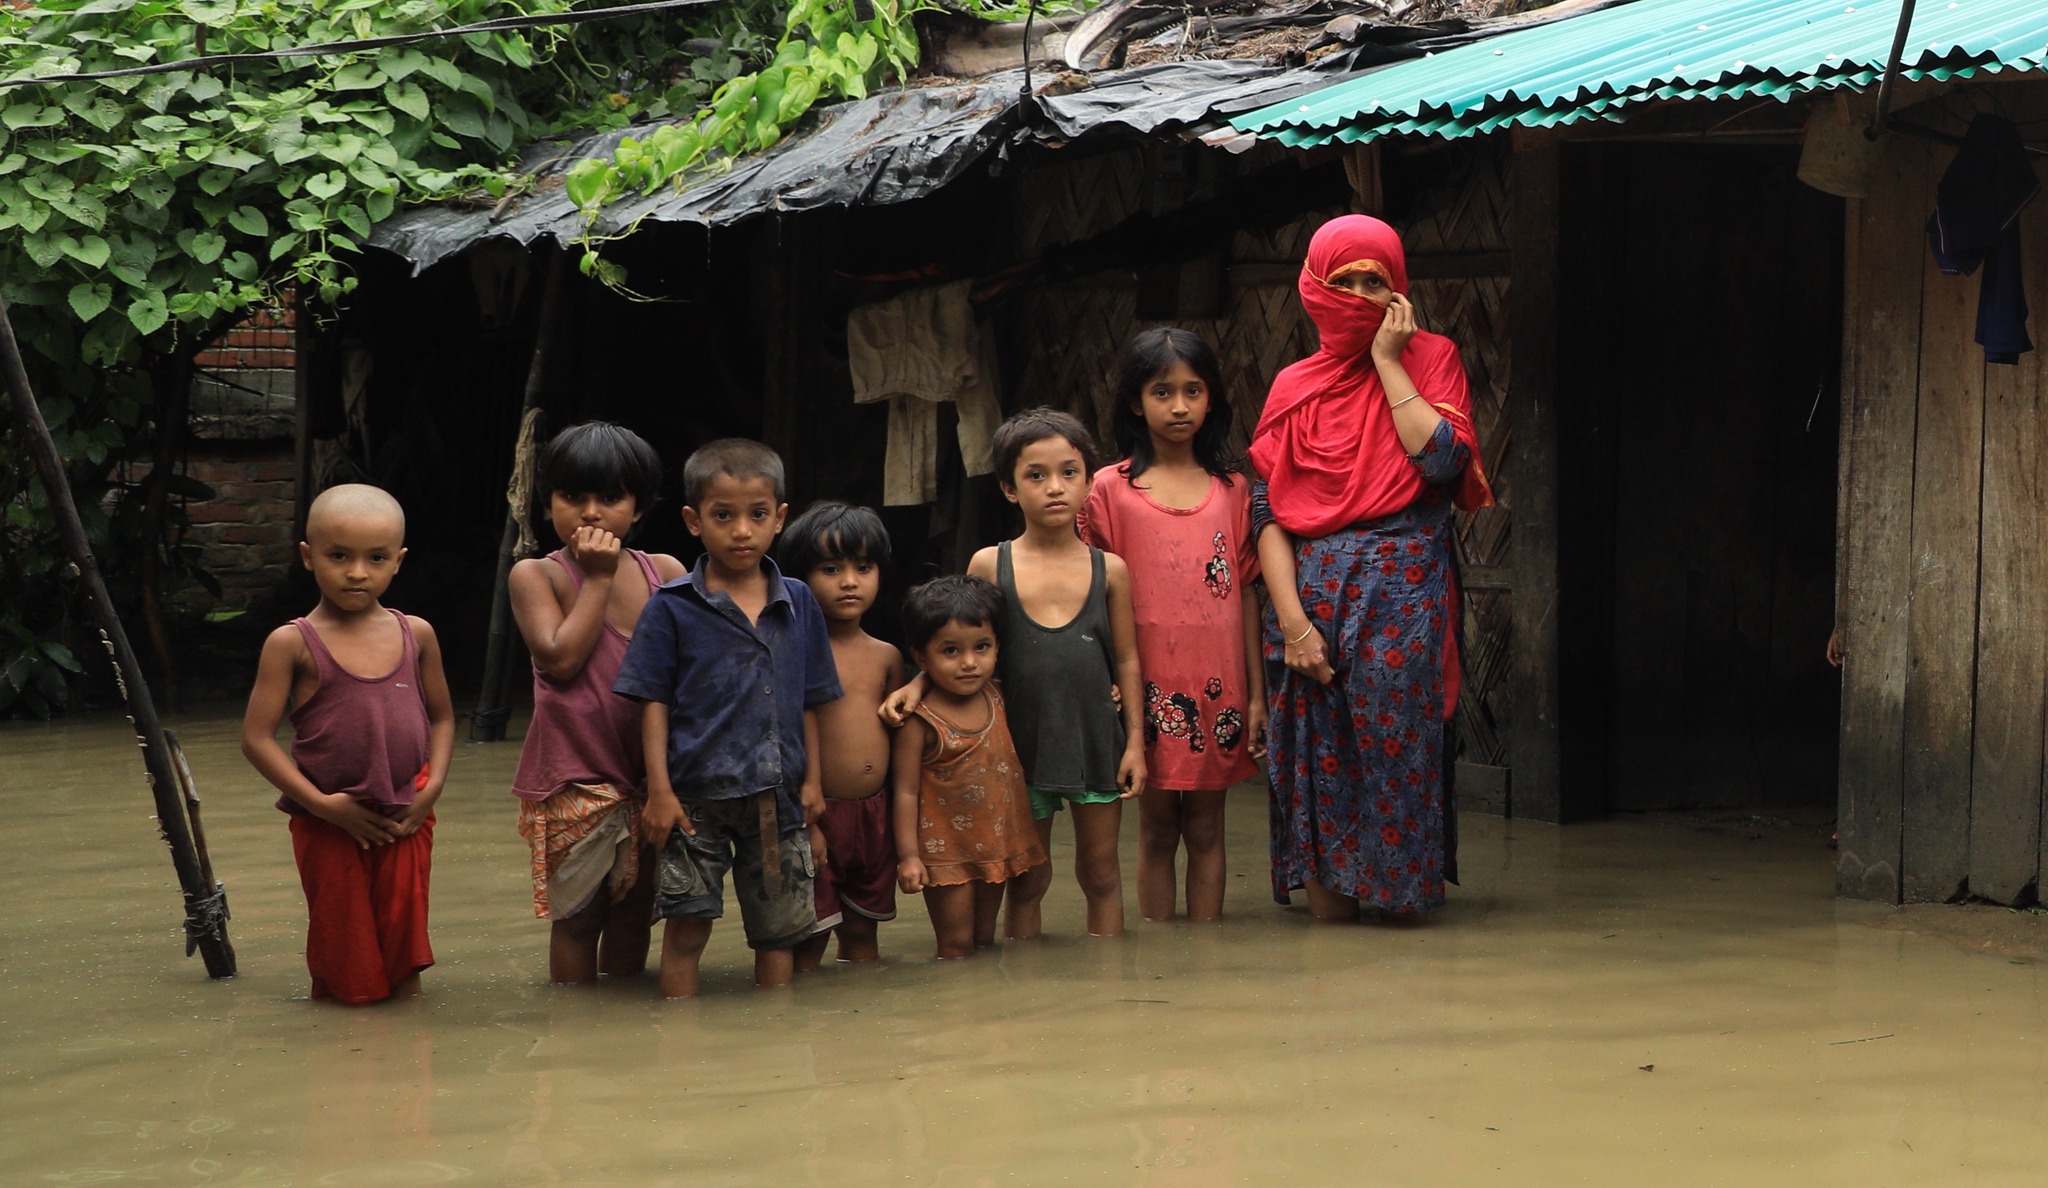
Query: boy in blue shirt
{"points": [[732, 661]]}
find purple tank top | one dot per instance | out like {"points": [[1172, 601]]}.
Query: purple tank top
{"points": [[366, 737], [582, 732]]}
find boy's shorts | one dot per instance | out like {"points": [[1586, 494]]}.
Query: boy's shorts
{"points": [[860, 853], [690, 870], [366, 909], [1048, 802]]}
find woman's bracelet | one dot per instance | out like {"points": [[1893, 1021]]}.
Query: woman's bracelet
{"points": [[1405, 399], [1305, 632]]}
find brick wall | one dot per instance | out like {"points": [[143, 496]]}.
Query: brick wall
{"points": [[244, 532], [241, 446], [265, 341]]}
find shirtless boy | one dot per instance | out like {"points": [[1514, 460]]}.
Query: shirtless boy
{"points": [[839, 550], [373, 730]]}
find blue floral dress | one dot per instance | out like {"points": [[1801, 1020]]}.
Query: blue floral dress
{"points": [[1361, 781]]}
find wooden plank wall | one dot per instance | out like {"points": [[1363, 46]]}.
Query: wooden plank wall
{"points": [[1941, 597]]}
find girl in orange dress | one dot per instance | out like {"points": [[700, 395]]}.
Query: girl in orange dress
{"points": [[962, 812]]}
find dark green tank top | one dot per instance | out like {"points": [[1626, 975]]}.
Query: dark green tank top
{"points": [[1056, 681]]}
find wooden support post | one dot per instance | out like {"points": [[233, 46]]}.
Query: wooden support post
{"points": [[487, 721], [306, 334], [206, 902], [2012, 637], [787, 310], [1941, 638], [1881, 340], [1535, 756]]}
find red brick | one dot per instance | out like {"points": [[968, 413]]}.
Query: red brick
{"points": [[215, 511], [272, 472], [209, 470]]}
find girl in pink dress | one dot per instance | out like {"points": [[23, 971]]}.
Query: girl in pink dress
{"points": [[1179, 515]]}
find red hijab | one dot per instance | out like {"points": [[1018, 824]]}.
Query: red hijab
{"points": [[1326, 444]]}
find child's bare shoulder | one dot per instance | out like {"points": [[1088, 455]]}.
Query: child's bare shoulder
{"points": [[983, 564], [285, 640], [535, 569], [667, 567], [875, 654]]}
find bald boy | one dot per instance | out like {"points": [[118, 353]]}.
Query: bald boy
{"points": [[372, 733]]}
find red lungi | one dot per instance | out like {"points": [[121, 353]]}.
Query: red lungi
{"points": [[366, 909]]}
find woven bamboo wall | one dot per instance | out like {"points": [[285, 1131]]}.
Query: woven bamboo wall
{"points": [[1063, 340], [1465, 218], [1068, 333]]}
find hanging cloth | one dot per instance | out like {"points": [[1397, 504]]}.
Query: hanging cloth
{"points": [[1326, 444], [917, 351], [1976, 221]]}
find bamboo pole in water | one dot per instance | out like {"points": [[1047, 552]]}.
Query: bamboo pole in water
{"points": [[487, 720], [206, 901]]}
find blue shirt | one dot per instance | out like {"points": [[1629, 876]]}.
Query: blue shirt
{"points": [[736, 691]]}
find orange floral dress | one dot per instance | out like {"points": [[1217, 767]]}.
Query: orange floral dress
{"points": [[973, 812]]}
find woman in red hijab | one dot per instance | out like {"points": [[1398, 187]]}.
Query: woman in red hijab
{"points": [[1362, 451]]}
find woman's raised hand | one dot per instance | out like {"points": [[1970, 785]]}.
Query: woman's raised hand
{"points": [[1396, 328]]}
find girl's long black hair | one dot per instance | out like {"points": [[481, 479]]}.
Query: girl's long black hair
{"points": [[1149, 353]]}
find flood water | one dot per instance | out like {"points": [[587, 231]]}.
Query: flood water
{"points": [[1615, 1003]]}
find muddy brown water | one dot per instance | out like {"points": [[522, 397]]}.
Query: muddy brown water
{"points": [[1625, 1002]]}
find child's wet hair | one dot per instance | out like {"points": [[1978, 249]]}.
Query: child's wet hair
{"points": [[735, 458], [600, 458], [832, 530], [1147, 354], [1030, 427], [955, 598]]}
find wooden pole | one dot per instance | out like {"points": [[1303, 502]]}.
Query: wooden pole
{"points": [[487, 720], [206, 902]]}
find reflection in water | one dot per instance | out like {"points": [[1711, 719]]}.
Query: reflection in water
{"points": [[1621, 1002]]}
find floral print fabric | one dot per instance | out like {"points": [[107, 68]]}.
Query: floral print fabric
{"points": [[1190, 569], [1360, 776]]}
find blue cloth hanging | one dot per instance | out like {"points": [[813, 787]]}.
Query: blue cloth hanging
{"points": [[1976, 221]]}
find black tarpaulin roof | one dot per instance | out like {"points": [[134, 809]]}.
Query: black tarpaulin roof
{"points": [[893, 146], [905, 143]]}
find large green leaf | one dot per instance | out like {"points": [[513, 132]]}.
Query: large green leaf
{"points": [[148, 313], [249, 221], [25, 114], [89, 250], [88, 300], [327, 185], [409, 98]]}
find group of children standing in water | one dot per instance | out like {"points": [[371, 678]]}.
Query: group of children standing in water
{"points": [[735, 718]]}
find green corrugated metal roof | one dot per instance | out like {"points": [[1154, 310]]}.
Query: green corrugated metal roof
{"points": [[1597, 65]]}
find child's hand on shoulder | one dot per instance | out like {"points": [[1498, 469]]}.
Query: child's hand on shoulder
{"points": [[897, 707], [595, 551], [911, 875]]}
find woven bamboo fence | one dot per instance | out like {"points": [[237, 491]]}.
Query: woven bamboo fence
{"points": [[1064, 337]]}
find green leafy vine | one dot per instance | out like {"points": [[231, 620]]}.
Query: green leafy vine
{"points": [[829, 50]]}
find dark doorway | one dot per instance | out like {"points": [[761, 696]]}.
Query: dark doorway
{"points": [[1701, 358]]}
